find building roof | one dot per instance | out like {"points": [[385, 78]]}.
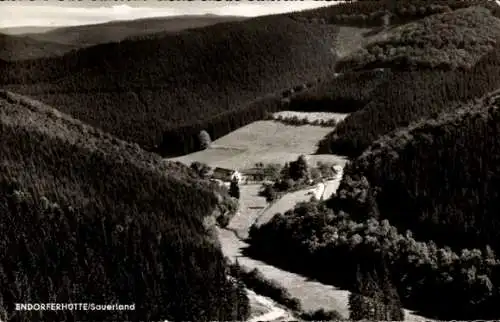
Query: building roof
{"points": [[224, 171], [252, 171]]}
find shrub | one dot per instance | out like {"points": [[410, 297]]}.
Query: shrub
{"points": [[256, 281]]}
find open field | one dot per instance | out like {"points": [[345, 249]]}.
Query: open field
{"points": [[326, 158], [350, 39], [312, 116], [263, 141], [270, 135], [212, 156]]}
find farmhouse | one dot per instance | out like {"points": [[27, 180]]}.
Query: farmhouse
{"points": [[226, 174], [254, 174]]}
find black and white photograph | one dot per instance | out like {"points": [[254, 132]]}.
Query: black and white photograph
{"points": [[256, 161]]}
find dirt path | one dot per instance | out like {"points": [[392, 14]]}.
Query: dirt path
{"points": [[274, 311], [332, 185], [250, 208]]}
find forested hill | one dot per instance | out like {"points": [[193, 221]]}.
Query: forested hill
{"points": [[58, 41], [88, 35], [378, 13], [137, 90], [107, 222], [439, 178], [445, 41], [23, 47], [421, 202], [430, 78]]}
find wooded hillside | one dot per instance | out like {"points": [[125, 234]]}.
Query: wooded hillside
{"points": [[450, 40], [89, 218], [443, 174], [15, 45], [409, 95], [22, 47], [378, 13], [137, 90]]}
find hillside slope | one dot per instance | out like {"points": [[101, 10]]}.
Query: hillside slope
{"points": [[342, 93], [15, 45], [439, 178], [17, 31], [22, 47], [378, 13], [89, 35], [449, 40], [89, 218], [137, 90], [413, 93], [331, 246]]}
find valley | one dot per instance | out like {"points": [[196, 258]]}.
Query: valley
{"points": [[331, 164], [313, 295], [259, 142]]}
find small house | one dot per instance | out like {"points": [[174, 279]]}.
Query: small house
{"points": [[254, 174], [226, 174]]}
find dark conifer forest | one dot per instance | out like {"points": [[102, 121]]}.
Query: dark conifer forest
{"points": [[92, 212], [33, 44], [343, 93], [331, 245], [412, 93], [14, 47], [89, 218], [370, 13], [443, 172], [416, 212], [444, 41], [139, 90]]}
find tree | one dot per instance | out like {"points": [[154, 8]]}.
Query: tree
{"points": [[373, 297], [272, 171], [268, 192], [244, 309], [393, 307], [234, 189], [357, 305], [201, 169], [372, 301], [204, 139], [299, 169], [285, 171], [315, 174], [386, 19], [321, 315], [327, 170]]}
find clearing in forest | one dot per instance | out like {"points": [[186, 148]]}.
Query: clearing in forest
{"points": [[262, 141]]}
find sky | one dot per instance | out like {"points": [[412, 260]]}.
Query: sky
{"points": [[48, 13]]}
